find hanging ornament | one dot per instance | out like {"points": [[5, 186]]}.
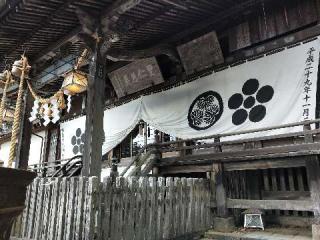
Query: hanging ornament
{"points": [[55, 112], [35, 111], [75, 82], [48, 109], [69, 103]]}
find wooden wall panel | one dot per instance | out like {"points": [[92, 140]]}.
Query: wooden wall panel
{"points": [[273, 20]]}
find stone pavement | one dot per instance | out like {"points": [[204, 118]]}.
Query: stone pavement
{"points": [[270, 234]]}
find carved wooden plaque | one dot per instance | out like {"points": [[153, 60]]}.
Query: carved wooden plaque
{"points": [[136, 76], [201, 53]]}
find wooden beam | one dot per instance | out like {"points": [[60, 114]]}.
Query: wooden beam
{"points": [[293, 150], [266, 164], [132, 55], [295, 205], [285, 195], [185, 169]]}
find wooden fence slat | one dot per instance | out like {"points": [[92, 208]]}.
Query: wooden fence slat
{"points": [[80, 208], [62, 210], [54, 209], [114, 213], [107, 196], [91, 207], [25, 214], [33, 199], [148, 209], [32, 207], [133, 186], [70, 208], [190, 216], [179, 205], [122, 199], [168, 228], [154, 208], [184, 203], [46, 209], [40, 209], [161, 205]]}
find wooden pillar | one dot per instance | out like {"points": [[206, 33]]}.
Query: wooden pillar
{"points": [[92, 156], [24, 138]]}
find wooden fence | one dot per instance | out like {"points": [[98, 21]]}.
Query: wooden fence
{"points": [[129, 208]]}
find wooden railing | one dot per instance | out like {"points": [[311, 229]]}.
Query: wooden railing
{"points": [[220, 150], [48, 169]]}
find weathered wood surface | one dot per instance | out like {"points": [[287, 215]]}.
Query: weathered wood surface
{"points": [[52, 211], [13, 188], [296, 205], [141, 208]]}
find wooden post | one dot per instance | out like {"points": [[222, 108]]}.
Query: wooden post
{"points": [[92, 156], [221, 195], [222, 222], [313, 174], [155, 169], [23, 148]]}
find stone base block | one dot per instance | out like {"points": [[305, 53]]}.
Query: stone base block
{"points": [[315, 232], [225, 224]]}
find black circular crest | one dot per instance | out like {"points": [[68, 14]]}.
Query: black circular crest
{"points": [[205, 110], [77, 142], [245, 106]]}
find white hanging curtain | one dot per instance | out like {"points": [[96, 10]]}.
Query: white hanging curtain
{"points": [[275, 89]]}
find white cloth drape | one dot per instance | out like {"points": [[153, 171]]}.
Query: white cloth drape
{"points": [[281, 87]]}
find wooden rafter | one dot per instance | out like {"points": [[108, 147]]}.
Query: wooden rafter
{"points": [[177, 3]]}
